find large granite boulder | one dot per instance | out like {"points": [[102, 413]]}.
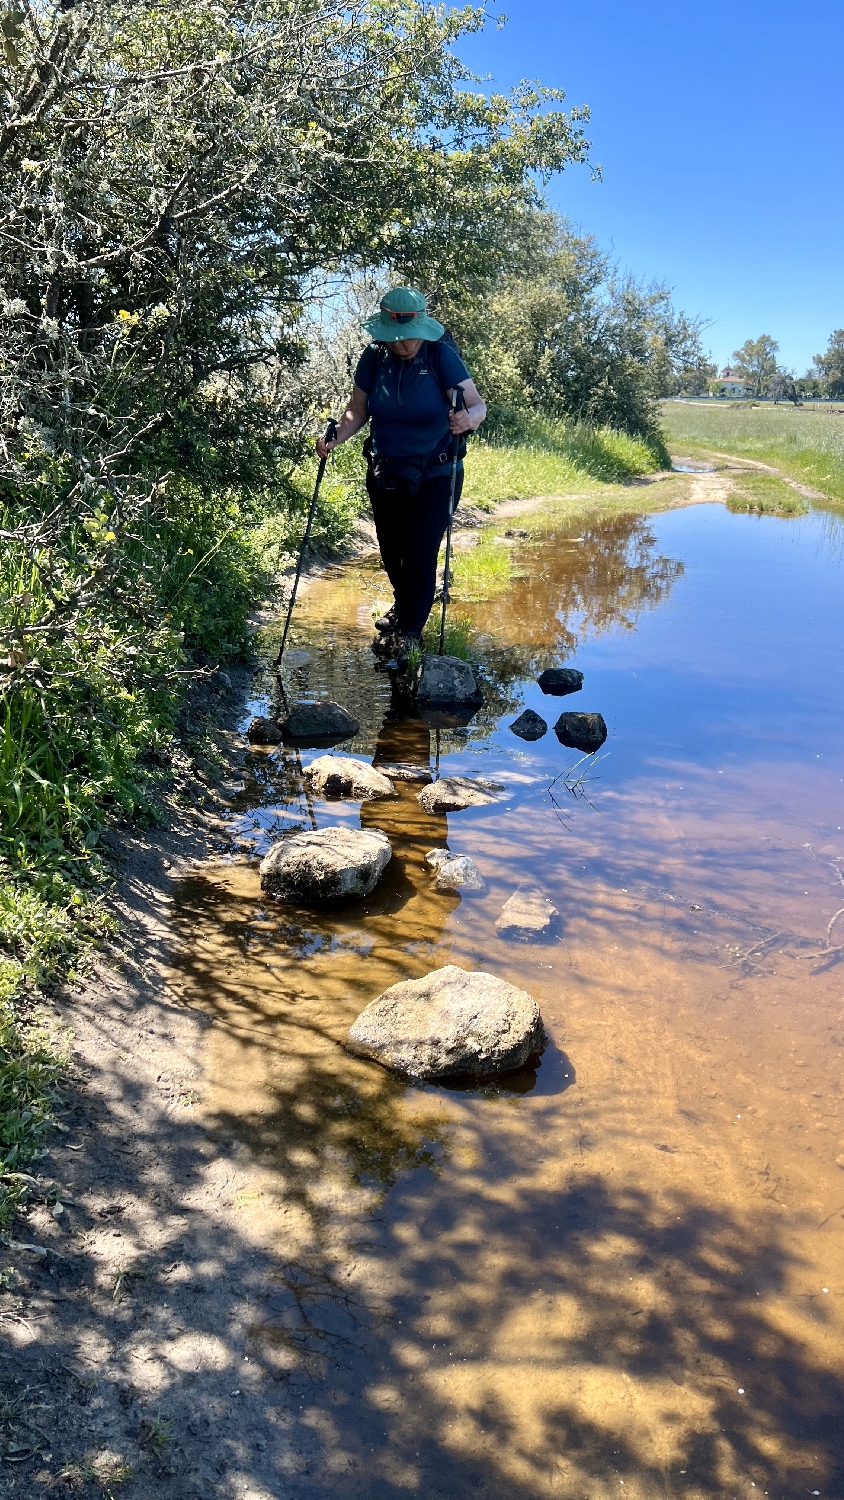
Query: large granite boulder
{"points": [[527, 915], [450, 1022], [264, 731], [318, 722], [325, 864], [453, 793], [444, 680], [581, 731], [560, 680], [529, 725], [341, 776], [455, 872]]}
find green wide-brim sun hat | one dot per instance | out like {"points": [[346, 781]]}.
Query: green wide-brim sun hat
{"points": [[403, 315]]}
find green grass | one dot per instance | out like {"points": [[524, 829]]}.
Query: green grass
{"points": [[807, 443], [457, 640], [765, 495], [481, 571], [552, 456]]}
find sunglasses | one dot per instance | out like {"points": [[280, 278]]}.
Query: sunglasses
{"points": [[401, 317]]}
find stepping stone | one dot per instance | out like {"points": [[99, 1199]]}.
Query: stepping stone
{"points": [[529, 726], [319, 721], [264, 731], [455, 872], [341, 776], [397, 772], [325, 864], [453, 793], [526, 916], [560, 680], [447, 679], [581, 731], [451, 1022]]}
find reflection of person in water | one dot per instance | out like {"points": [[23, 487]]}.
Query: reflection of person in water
{"points": [[411, 830]]}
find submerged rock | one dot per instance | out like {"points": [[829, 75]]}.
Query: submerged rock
{"points": [[264, 731], [581, 731], [319, 721], [342, 776], [450, 1022], [397, 772], [453, 793], [526, 916], [325, 864], [455, 872], [529, 725], [447, 679], [560, 680]]}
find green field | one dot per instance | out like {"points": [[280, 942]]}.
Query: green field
{"points": [[807, 443]]}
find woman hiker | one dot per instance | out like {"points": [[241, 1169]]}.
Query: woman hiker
{"points": [[403, 386]]}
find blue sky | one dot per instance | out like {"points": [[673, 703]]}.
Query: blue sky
{"points": [[720, 130]]}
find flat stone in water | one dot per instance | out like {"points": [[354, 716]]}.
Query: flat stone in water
{"points": [[397, 772], [581, 731], [325, 864], [264, 731], [453, 793], [560, 680], [455, 872], [526, 916], [529, 725], [319, 722], [342, 776], [447, 679], [450, 1022]]}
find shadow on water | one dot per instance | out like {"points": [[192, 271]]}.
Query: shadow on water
{"points": [[619, 1265]]}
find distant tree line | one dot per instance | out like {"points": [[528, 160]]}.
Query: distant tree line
{"points": [[756, 363]]}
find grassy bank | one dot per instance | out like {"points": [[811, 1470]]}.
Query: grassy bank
{"points": [[548, 457], [105, 635], [807, 443]]}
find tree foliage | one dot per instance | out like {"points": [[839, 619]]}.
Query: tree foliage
{"points": [[564, 333], [829, 366], [756, 361]]}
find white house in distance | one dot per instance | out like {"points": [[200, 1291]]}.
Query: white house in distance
{"points": [[730, 384]]}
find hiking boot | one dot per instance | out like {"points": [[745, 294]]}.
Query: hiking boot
{"points": [[387, 622]]}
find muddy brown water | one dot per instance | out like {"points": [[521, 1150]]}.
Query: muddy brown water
{"points": [[621, 1271]]}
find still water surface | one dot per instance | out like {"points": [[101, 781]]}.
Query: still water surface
{"points": [[625, 1266]]}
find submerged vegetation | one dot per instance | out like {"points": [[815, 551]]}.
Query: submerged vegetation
{"points": [[807, 443]]}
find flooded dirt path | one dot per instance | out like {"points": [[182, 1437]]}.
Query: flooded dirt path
{"points": [[622, 1271]]}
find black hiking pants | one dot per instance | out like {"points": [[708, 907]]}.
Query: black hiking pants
{"points": [[410, 529]]}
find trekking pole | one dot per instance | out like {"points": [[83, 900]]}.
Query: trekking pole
{"points": [[330, 434], [456, 405]]}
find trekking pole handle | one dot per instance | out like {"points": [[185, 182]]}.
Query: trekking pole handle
{"points": [[330, 435]]}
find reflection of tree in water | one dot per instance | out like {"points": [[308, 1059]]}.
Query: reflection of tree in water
{"points": [[574, 589]]}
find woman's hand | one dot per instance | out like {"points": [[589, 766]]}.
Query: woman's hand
{"points": [[470, 416], [352, 420], [323, 448], [460, 421]]}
